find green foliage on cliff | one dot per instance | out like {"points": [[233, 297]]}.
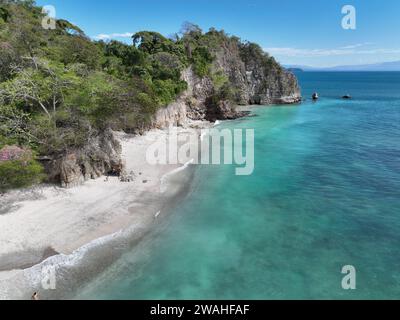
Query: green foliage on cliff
{"points": [[58, 88], [19, 174], [253, 53]]}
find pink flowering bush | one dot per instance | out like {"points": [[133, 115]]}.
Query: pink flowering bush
{"points": [[13, 153], [18, 169]]}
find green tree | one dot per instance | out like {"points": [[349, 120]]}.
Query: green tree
{"points": [[19, 174], [41, 87]]}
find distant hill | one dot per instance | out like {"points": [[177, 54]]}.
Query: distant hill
{"points": [[294, 69], [299, 67], [385, 66]]}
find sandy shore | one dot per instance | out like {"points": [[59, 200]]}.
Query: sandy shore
{"points": [[41, 225]]}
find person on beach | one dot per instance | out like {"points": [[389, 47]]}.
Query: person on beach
{"points": [[35, 296]]}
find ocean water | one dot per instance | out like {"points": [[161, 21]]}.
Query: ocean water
{"points": [[325, 193]]}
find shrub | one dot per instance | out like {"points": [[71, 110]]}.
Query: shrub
{"points": [[6, 141], [202, 60], [19, 174]]}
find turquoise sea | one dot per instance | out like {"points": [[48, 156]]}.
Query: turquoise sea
{"points": [[325, 193]]}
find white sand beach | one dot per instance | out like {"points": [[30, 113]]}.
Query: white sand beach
{"points": [[47, 221]]}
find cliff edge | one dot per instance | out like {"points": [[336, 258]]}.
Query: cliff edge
{"points": [[241, 74], [62, 94]]}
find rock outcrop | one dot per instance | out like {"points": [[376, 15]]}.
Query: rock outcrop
{"points": [[223, 110], [254, 77], [173, 115], [102, 155], [191, 105], [257, 77]]}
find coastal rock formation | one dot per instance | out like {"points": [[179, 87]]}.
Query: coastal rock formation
{"points": [[190, 105], [102, 155], [90, 86], [253, 81], [255, 78], [173, 115], [223, 110], [251, 76]]}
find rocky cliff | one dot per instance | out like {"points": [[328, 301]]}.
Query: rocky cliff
{"points": [[253, 77], [59, 90], [256, 79], [101, 155]]}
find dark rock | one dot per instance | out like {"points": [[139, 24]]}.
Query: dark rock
{"points": [[101, 156], [223, 110]]}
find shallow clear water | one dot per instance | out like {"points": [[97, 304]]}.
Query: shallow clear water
{"points": [[325, 193]]}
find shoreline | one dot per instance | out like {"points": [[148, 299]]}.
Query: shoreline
{"points": [[71, 229]]}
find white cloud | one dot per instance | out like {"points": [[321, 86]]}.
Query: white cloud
{"points": [[295, 52], [358, 45], [103, 36], [348, 50]]}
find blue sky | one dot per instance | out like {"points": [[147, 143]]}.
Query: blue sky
{"points": [[303, 32]]}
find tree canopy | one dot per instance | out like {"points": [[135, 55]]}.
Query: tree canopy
{"points": [[58, 87]]}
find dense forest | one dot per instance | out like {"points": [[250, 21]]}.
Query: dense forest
{"points": [[58, 88]]}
